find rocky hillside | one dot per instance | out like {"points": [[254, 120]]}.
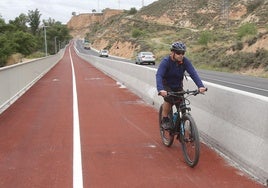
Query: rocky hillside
{"points": [[81, 24], [226, 35]]}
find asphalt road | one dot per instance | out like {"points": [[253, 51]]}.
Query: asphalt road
{"points": [[245, 83], [241, 82]]}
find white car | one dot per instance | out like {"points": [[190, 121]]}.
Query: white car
{"points": [[103, 53], [87, 45], [145, 57]]}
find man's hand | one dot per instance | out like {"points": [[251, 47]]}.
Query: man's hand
{"points": [[202, 89], [163, 93]]}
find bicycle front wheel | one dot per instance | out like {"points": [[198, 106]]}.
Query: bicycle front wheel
{"points": [[190, 140], [166, 136]]}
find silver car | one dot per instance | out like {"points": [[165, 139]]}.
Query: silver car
{"points": [[145, 57], [103, 53]]}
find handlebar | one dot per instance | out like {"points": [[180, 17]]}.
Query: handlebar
{"points": [[180, 93]]}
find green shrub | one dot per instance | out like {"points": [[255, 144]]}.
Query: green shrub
{"points": [[204, 38], [261, 58], [238, 46], [137, 33], [242, 60], [132, 11], [246, 29], [37, 54]]}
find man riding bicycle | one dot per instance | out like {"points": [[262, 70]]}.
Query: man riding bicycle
{"points": [[169, 77]]}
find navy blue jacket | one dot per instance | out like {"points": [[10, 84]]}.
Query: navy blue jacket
{"points": [[171, 74]]}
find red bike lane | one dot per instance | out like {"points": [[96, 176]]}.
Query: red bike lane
{"points": [[120, 140], [121, 145], [36, 134]]}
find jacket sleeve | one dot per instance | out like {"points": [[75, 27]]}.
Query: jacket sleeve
{"points": [[193, 74], [160, 74]]}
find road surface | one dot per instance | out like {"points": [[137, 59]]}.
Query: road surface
{"points": [[237, 81]]}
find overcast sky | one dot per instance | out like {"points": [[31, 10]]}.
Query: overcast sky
{"points": [[61, 10]]}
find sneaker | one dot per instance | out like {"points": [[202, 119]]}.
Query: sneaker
{"points": [[166, 124]]}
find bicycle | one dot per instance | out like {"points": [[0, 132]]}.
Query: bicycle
{"points": [[183, 126]]}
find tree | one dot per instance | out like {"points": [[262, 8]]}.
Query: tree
{"points": [[133, 11], [34, 20], [2, 22], [5, 49], [5, 27], [5, 45], [25, 42], [17, 37], [58, 30], [20, 22]]}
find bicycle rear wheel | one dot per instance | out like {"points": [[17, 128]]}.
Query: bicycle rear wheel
{"points": [[166, 137], [190, 140]]}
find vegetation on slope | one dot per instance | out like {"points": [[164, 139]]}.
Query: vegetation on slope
{"points": [[220, 36]]}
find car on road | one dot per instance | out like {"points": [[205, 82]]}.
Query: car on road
{"points": [[103, 53], [145, 57], [87, 45]]}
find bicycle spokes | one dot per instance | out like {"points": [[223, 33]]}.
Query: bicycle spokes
{"points": [[190, 141], [187, 131], [166, 137]]}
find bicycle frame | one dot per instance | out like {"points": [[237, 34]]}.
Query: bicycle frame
{"points": [[183, 126], [181, 107]]}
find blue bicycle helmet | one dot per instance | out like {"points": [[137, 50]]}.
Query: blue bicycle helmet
{"points": [[178, 46]]}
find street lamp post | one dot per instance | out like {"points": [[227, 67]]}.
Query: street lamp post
{"points": [[59, 46], [45, 35], [55, 40]]}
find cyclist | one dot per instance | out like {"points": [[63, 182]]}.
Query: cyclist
{"points": [[169, 77]]}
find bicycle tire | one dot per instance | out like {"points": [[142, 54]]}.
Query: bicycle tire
{"points": [[190, 140], [166, 137]]}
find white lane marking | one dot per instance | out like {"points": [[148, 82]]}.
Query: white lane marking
{"points": [[77, 159], [247, 86], [261, 97]]}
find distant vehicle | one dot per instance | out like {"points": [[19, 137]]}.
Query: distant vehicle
{"points": [[103, 53], [87, 45], [145, 57], [86, 40]]}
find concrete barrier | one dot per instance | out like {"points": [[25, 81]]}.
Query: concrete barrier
{"points": [[17, 79], [233, 122]]}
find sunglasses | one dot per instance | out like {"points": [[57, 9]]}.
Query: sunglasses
{"points": [[180, 52]]}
